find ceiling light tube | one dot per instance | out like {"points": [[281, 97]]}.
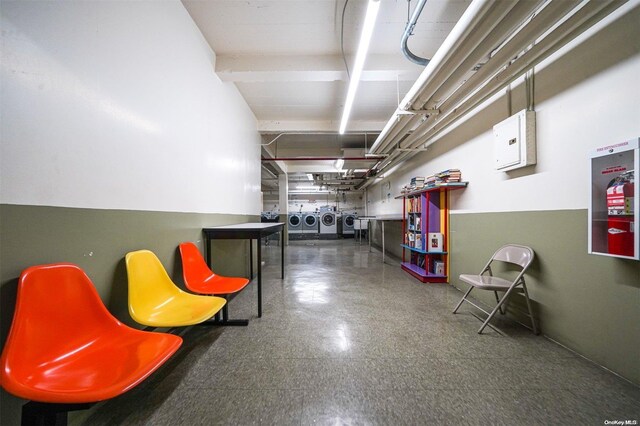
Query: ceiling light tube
{"points": [[363, 47]]}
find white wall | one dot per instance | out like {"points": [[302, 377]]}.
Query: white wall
{"points": [[583, 101], [116, 105], [352, 202]]}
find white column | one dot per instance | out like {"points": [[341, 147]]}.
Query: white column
{"points": [[283, 197]]}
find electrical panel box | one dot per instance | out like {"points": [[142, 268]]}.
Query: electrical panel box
{"points": [[515, 141]]}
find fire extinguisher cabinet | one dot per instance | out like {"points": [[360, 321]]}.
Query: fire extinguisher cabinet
{"points": [[613, 210]]}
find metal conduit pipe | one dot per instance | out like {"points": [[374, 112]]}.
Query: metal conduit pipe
{"points": [[538, 25], [509, 19], [470, 19], [491, 26], [403, 127], [577, 23], [505, 21], [408, 32]]}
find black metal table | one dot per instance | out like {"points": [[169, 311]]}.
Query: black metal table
{"points": [[247, 231]]}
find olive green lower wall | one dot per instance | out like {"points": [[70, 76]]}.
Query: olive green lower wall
{"points": [[589, 303], [97, 241]]}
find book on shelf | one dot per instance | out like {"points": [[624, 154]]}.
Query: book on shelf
{"points": [[418, 241], [435, 241], [413, 205], [417, 180], [438, 267], [443, 177]]}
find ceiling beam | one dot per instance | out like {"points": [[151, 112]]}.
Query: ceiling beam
{"points": [[329, 126], [258, 68]]}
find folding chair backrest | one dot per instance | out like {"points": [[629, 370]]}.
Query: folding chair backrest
{"points": [[518, 255]]}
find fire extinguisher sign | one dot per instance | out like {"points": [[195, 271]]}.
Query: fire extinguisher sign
{"points": [[614, 169], [614, 206]]}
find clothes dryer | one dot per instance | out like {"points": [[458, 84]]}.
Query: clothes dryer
{"points": [[348, 223], [310, 223], [295, 223], [328, 223]]}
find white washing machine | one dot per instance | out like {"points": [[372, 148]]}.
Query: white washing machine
{"points": [[310, 223], [295, 223], [348, 223], [328, 223]]}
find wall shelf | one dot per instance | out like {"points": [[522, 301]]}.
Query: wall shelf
{"points": [[425, 225], [417, 250]]}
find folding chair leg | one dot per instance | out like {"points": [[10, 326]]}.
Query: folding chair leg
{"points": [[463, 299], [500, 303], [533, 321], [502, 311]]}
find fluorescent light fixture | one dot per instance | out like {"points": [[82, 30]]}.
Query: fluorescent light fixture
{"points": [[363, 47], [338, 164], [310, 177], [307, 187]]}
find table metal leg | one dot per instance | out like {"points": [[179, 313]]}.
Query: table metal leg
{"points": [[207, 251], [251, 257], [259, 280], [383, 241], [369, 234], [282, 253]]}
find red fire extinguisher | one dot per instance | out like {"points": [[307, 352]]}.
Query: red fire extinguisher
{"points": [[620, 212]]}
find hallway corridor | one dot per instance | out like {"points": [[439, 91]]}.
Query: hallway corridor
{"points": [[348, 340]]}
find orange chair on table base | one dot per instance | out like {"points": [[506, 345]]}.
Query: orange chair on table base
{"points": [[200, 279], [65, 351]]}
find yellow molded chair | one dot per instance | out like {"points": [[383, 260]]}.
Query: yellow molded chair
{"points": [[154, 299]]}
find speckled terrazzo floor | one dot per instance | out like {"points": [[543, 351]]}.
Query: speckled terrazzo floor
{"points": [[348, 340]]}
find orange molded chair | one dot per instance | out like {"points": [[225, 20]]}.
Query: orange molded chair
{"points": [[200, 279], [154, 299], [64, 347]]}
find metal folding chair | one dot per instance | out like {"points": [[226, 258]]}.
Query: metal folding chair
{"points": [[485, 280]]}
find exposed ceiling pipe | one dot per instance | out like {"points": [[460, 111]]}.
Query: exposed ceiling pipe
{"points": [[461, 62], [509, 69], [546, 18], [404, 126], [496, 24], [572, 27], [470, 18], [493, 23], [266, 169], [513, 56], [408, 32]]}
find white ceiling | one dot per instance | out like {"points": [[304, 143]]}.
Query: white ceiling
{"points": [[285, 58]]}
